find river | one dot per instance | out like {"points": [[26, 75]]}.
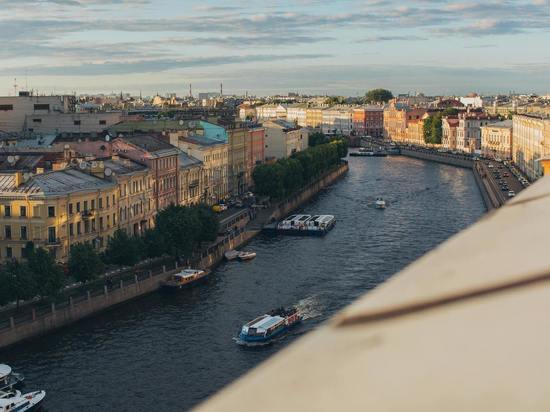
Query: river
{"points": [[169, 352]]}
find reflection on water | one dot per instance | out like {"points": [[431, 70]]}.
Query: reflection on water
{"points": [[168, 352]]}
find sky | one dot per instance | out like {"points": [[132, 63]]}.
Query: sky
{"points": [[338, 47]]}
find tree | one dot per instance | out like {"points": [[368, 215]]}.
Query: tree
{"points": [[153, 243], [433, 131], [378, 96], [16, 283], [449, 111], [209, 222], [84, 262], [122, 249], [46, 273], [180, 228], [316, 139]]}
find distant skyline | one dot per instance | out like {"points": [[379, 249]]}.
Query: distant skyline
{"points": [[340, 47]]}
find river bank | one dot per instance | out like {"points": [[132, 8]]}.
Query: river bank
{"points": [[490, 195], [145, 282]]}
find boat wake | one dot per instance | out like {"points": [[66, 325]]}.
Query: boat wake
{"points": [[309, 307]]}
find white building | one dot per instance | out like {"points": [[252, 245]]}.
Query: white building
{"points": [[297, 113], [473, 101], [468, 132], [15, 109], [337, 120], [271, 111], [282, 139]]}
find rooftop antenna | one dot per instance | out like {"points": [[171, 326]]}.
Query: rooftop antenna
{"points": [[15, 86], [190, 91], [221, 89]]}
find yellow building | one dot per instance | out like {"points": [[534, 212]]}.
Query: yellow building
{"points": [[136, 204], [496, 140], [531, 141], [192, 180], [55, 210], [314, 117], [237, 138]]}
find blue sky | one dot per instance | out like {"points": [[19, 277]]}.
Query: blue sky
{"points": [[310, 46]]}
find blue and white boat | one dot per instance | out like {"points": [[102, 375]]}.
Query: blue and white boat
{"points": [[267, 327]]}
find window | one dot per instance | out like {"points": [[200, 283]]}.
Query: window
{"points": [[107, 199], [101, 223], [7, 211], [23, 232], [37, 120], [71, 229], [77, 122], [93, 204], [86, 226], [51, 235], [70, 208], [113, 200], [36, 211], [7, 231], [100, 203], [77, 207], [93, 225], [23, 211], [78, 228], [41, 107], [51, 211], [85, 205], [103, 122], [9, 252], [6, 107]]}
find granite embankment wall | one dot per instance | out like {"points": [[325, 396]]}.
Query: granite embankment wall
{"points": [[490, 197], [145, 281]]}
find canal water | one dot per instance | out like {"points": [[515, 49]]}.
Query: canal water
{"points": [[169, 352]]}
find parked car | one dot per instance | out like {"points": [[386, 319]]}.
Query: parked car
{"points": [[511, 193]]}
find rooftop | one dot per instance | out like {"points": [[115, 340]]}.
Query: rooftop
{"points": [[187, 161], [201, 140], [53, 183], [149, 143]]}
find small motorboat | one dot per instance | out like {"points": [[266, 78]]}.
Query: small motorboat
{"points": [[8, 378], [247, 255], [186, 278], [265, 328], [380, 203], [231, 255], [16, 402]]}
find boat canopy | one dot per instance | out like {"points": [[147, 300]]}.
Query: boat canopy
{"points": [[266, 322], [187, 273], [5, 370]]}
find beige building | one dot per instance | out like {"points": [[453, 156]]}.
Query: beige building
{"points": [[271, 111], [15, 109], [192, 180], [297, 113], [136, 205], [214, 154], [337, 120], [448, 139], [314, 117], [71, 123], [282, 139], [496, 140], [531, 141], [237, 139], [55, 210]]}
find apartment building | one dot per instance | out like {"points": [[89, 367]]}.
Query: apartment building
{"points": [[496, 140], [531, 141], [337, 120], [449, 126], [55, 210], [192, 180], [237, 139], [468, 131], [271, 111], [255, 150], [162, 160], [282, 139], [314, 117], [368, 121], [70, 123], [297, 113]]}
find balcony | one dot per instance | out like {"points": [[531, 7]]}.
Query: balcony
{"points": [[87, 214], [53, 242]]}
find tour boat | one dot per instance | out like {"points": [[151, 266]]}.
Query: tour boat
{"points": [[186, 278], [8, 378], [17, 402], [317, 225], [265, 328], [247, 255], [380, 203], [231, 255]]}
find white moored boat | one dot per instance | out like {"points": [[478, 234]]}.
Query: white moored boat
{"points": [[247, 255], [380, 203], [11, 402], [317, 225], [231, 255], [8, 378]]}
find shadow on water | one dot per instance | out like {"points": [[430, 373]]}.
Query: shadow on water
{"points": [[170, 351]]}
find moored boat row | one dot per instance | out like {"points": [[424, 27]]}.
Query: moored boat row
{"points": [[12, 400], [242, 255]]}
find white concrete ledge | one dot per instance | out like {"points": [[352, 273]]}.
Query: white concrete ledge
{"points": [[466, 327]]}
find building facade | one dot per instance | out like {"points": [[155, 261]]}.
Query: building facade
{"points": [[449, 126], [297, 113], [337, 121], [496, 140], [531, 141], [282, 139], [468, 132], [71, 123], [56, 210]]}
